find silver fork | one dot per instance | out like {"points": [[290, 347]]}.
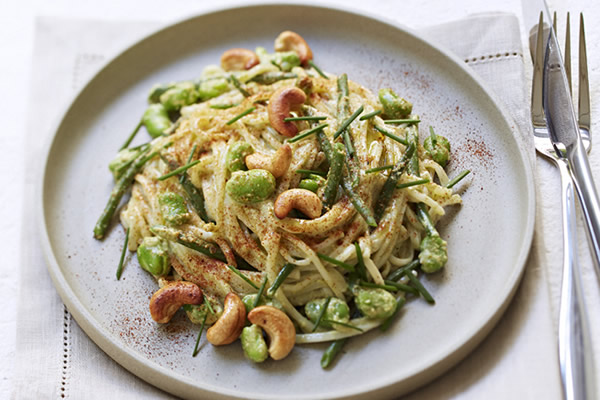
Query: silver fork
{"points": [[574, 342]]}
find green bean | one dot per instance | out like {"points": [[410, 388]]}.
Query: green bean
{"points": [[238, 85], [321, 73], [269, 78], [222, 106], [390, 184], [130, 138], [189, 159], [330, 321], [241, 115], [189, 241], [388, 322], [378, 169], [360, 266], [120, 266], [425, 219], [156, 120], [260, 293], [394, 106], [358, 203], [118, 191], [402, 121], [281, 276], [457, 179], [331, 353], [366, 284], [412, 135], [402, 287], [334, 176]]}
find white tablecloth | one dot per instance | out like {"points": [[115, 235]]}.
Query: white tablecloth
{"points": [[517, 359]]}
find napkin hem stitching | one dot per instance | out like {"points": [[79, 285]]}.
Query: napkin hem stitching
{"points": [[494, 57], [66, 353]]}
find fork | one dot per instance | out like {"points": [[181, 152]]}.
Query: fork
{"points": [[574, 342]]}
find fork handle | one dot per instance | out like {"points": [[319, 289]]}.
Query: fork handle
{"points": [[574, 347], [588, 197]]}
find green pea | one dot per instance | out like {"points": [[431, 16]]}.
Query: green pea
{"points": [[375, 303], [196, 313], [173, 208], [248, 301], [286, 60], [434, 253], [337, 310], [212, 87], [250, 186], [253, 343], [394, 107], [153, 256], [156, 120], [180, 95], [236, 155], [438, 148]]}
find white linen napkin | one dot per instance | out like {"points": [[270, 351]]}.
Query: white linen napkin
{"points": [[55, 359]]}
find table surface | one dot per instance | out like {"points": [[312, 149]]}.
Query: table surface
{"points": [[16, 40]]}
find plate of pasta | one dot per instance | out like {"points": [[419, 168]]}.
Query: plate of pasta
{"points": [[299, 202]]}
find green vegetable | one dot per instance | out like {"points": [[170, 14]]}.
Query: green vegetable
{"points": [[268, 78], [240, 115], [124, 159], [178, 170], [457, 179], [252, 186], [286, 60], [281, 276], [132, 135], [390, 135], [253, 343], [438, 148], [209, 88], [238, 85], [250, 299], [189, 241], [123, 251], [236, 155], [242, 276], [393, 105], [434, 250], [173, 208], [153, 256], [321, 73], [337, 311], [412, 137], [179, 95], [334, 176], [332, 352], [309, 184], [375, 303], [307, 133], [370, 115], [156, 120], [419, 286], [209, 310], [388, 322], [392, 180], [359, 203], [156, 91]]}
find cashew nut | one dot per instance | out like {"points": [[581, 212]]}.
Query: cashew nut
{"points": [[279, 328], [229, 326], [301, 199], [168, 299], [289, 40], [238, 59], [277, 165], [280, 104]]}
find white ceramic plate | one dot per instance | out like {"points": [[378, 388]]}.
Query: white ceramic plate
{"points": [[471, 293]]}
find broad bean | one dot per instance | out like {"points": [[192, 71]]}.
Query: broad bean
{"points": [[212, 87], [434, 253], [156, 119], [179, 95], [375, 303], [173, 208], [337, 310], [286, 60], [438, 148], [248, 301], [236, 155], [153, 256], [250, 186], [253, 343]]}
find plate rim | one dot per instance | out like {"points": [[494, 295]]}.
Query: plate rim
{"points": [[173, 383]]}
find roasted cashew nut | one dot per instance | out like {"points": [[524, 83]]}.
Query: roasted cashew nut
{"points": [[229, 326], [169, 298], [301, 199], [281, 102], [277, 165], [238, 59], [289, 40], [279, 328]]}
